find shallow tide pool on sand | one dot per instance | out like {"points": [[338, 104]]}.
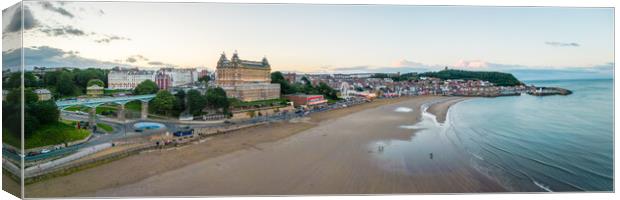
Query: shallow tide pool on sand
{"points": [[426, 152], [403, 109]]}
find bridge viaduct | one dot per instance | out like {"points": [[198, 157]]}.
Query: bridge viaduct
{"points": [[93, 103]]}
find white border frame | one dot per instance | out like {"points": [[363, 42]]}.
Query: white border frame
{"points": [[483, 196]]}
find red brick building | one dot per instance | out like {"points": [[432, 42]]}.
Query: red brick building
{"points": [[307, 100], [163, 81]]}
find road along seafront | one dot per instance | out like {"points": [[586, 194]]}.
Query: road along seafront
{"points": [[332, 152]]}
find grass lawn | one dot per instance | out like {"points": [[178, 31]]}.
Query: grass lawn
{"points": [[86, 109], [106, 108], [50, 134], [69, 122], [134, 105], [105, 127], [78, 108]]}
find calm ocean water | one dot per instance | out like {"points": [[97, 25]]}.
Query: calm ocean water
{"points": [[552, 143]]}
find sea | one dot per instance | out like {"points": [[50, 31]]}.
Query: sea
{"points": [[537, 144]]}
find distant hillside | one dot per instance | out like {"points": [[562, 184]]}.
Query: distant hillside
{"points": [[498, 78]]}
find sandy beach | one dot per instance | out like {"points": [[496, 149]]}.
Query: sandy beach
{"points": [[345, 151], [9, 185], [440, 109]]}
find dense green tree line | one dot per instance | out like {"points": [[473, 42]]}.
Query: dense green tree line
{"points": [[146, 87], [95, 82], [306, 87], [401, 77], [37, 113], [62, 83], [498, 78], [192, 101]]}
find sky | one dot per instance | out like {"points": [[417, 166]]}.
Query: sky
{"points": [[314, 38]]}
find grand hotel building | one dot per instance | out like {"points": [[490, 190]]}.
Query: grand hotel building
{"points": [[246, 80]]}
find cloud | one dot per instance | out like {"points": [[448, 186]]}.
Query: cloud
{"points": [[60, 10], [110, 38], [15, 23], [562, 44], [408, 63], [47, 56], [30, 22], [162, 64], [63, 31], [471, 64], [136, 58]]}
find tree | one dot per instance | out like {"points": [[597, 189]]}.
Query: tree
{"points": [[11, 119], [196, 102], [15, 81], [180, 94], [32, 124], [64, 84], [95, 82], [285, 86], [146, 87], [33, 110], [306, 80], [327, 91], [45, 111], [498, 78], [83, 77], [307, 87], [30, 80], [50, 78], [163, 102], [14, 96], [216, 99], [179, 104]]}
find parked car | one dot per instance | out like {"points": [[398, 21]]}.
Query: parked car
{"points": [[45, 151], [184, 132], [34, 153], [10, 150]]}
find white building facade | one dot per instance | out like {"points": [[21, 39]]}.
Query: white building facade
{"points": [[181, 77], [120, 78], [127, 79]]}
